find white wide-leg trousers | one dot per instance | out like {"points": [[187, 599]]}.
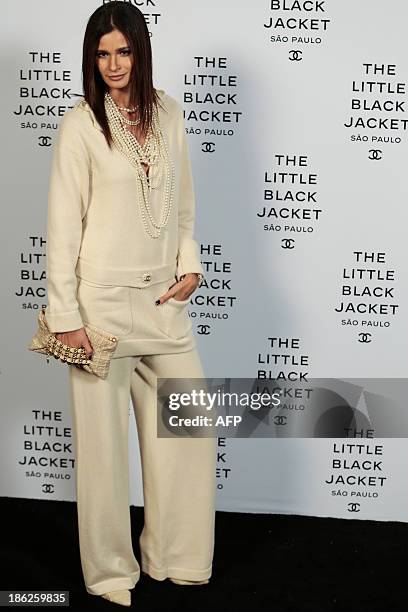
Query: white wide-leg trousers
{"points": [[177, 539]]}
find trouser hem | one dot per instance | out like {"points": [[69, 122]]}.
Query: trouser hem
{"points": [[114, 584], [176, 572]]}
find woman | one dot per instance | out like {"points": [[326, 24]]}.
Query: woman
{"points": [[121, 256]]}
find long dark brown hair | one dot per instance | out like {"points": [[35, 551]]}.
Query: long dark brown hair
{"points": [[130, 21]]}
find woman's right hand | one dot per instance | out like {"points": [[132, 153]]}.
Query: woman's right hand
{"points": [[76, 338]]}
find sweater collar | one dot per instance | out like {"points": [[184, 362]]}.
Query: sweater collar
{"points": [[82, 103], [85, 106]]}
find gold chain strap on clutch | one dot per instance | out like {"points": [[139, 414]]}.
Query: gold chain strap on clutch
{"points": [[103, 346], [70, 354]]}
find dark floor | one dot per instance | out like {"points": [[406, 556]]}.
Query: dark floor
{"points": [[262, 562]]}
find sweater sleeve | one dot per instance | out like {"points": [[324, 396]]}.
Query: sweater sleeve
{"points": [[67, 204], [188, 258]]}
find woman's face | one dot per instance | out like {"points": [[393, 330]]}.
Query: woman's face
{"points": [[114, 59]]}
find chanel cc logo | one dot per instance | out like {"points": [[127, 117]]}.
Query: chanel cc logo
{"points": [[295, 55], [48, 488], [44, 141], [375, 154], [208, 147], [364, 337], [279, 419], [354, 507], [288, 243], [203, 330]]}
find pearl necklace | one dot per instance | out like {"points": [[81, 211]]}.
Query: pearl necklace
{"points": [[131, 121], [128, 110], [154, 150]]}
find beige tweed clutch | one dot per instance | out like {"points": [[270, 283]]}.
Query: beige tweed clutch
{"points": [[103, 346]]}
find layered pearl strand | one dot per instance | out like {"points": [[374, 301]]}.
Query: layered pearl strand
{"points": [[153, 151]]}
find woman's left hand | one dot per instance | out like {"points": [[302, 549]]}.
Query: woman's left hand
{"points": [[182, 289]]}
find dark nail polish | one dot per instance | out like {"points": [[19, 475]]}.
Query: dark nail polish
{"points": [[157, 302]]}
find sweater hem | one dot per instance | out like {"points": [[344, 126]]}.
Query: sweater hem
{"points": [[132, 277]]}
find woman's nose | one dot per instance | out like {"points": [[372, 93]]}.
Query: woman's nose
{"points": [[113, 63]]}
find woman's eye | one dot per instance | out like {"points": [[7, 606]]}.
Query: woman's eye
{"points": [[103, 53]]}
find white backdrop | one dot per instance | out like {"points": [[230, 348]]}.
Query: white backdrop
{"points": [[296, 115]]}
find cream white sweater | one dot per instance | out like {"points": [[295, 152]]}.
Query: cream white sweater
{"points": [[94, 227]]}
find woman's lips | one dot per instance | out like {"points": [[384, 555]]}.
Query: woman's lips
{"points": [[117, 77]]}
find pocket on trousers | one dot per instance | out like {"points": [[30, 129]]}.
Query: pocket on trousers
{"points": [[174, 319], [105, 306]]}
